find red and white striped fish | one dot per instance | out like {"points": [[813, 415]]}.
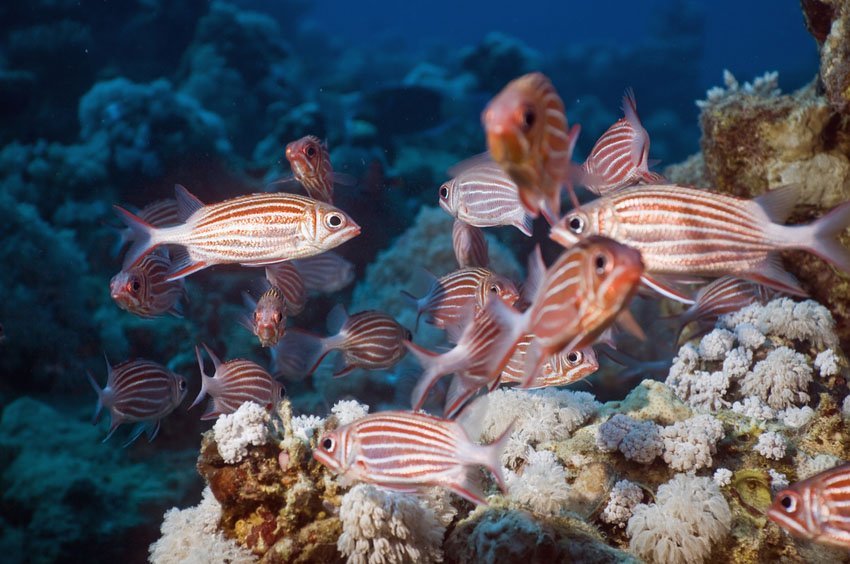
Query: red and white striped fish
{"points": [[325, 273], [285, 277], [558, 370], [161, 213], [405, 451], [138, 391], [576, 299], [268, 316], [482, 195], [470, 246], [311, 166], [816, 509], [724, 295], [233, 383], [252, 230], [370, 340], [689, 232], [529, 137], [621, 156], [144, 289], [453, 297]]}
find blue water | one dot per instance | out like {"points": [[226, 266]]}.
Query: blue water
{"points": [[396, 89]]}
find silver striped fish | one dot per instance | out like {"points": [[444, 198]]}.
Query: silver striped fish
{"points": [[620, 157], [285, 277], [453, 297], [161, 213], [233, 383], [482, 195], [558, 370], [138, 391], [144, 289], [689, 232], [817, 508], [470, 246], [724, 295], [267, 320], [405, 451], [253, 230], [325, 273]]}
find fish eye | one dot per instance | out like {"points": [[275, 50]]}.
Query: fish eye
{"points": [[328, 444], [494, 289], [182, 384], [600, 262], [310, 151], [574, 357], [576, 224], [529, 116], [276, 317], [408, 336], [334, 220], [444, 192], [788, 503], [282, 392]]}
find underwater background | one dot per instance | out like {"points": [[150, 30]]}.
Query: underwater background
{"points": [[108, 103]]}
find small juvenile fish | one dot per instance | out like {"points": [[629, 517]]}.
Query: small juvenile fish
{"points": [[621, 156], [575, 300], [233, 383], [482, 195], [161, 213], [447, 303], [144, 289], [470, 246], [689, 232], [268, 316], [285, 277], [325, 273], [311, 166], [724, 295], [405, 451], [558, 370], [528, 136], [817, 508], [371, 340], [138, 391], [252, 230]]}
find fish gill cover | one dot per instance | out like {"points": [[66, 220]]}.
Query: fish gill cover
{"points": [[282, 211]]}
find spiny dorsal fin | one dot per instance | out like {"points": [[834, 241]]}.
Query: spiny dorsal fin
{"points": [[779, 202], [187, 203]]}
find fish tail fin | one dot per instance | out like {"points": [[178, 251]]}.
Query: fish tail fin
{"points": [[460, 390], [415, 301], [430, 362], [511, 327], [98, 408], [142, 235], [204, 379], [493, 456], [472, 420], [298, 354], [468, 485], [139, 428], [534, 360], [526, 225], [824, 237]]}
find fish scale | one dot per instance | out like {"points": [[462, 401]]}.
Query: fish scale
{"points": [[287, 279]]}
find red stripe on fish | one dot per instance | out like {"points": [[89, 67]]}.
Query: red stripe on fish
{"points": [[558, 370], [287, 279], [724, 295], [470, 246], [311, 166], [145, 290]]}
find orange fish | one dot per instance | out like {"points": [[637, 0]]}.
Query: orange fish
{"points": [[311, 166], [528, 135]]}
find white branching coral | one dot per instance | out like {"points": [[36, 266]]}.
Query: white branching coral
{"points": [[808, 466], [539, 416], [540, 485], [800, 321], [388, 527], [827, 363], [754, 408], [689, 444], [749, 336], [771, 445], [764, 86], [796, 417], [716, 344], [304, 426], [689, 516], [780, 380], [722, 477], [637, 440], [192, 535], [737, 363], [702, 389], [778, 480], [248, 425], [347, 411], [625, 495]]}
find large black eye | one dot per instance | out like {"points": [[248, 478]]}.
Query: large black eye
{"points": [[136, 285], [787, 502], [600, 262], [574, 357], [408, 335], [182, 384], [494, 289], [328, 443], [444, 192], [334, 220], [282, 392], [528, 118], [576, 225], [310, 151]]}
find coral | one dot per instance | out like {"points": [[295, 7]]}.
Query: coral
{"points": [[796, 417], [637, 440], [383, 526], [808, 466], [248, 425], [304, 426], [771, 445], [827, 363], [192, 535], [722, 477], [754, 408], [765, 86], [689, 444], [780, 380], [688, 518], [829, 22], [497, 60], [716, 344], [348, 411], [625, 495], [541, 484], [778, 480]]}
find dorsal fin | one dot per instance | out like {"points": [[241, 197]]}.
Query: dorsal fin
{"points": [[187, 203], [215, 359], [779, 202]]}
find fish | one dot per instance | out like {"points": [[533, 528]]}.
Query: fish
{"points": [[233, 383], [252, 230], [558, 370], [286, 278], [268, 316], [448, 300], [371, 340], [406, 451], [144, 289], [325, 273], [620, 157], [817, 508], [688, 232], [138, 391], [482, 195], [529, 137], [160, 213], [724, 295], [311, 166], [470, 246], [575, 301]]}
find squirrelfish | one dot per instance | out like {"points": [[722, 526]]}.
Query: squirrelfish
{"points": [[252, 230], [285, 277], [138, 391], [233, 383], [268, 316], [325, 273], [482, 195], [144, 288], [405, 451], [470, 246], [724, 295], [817, 508], [621, 156], [689, 232], [370, 339], [575, 300], [528, 136], [311, 166], [558, 370]]}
